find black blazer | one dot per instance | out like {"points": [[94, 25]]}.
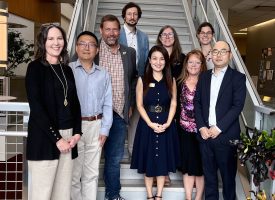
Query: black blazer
{"points": [[128, 56], [42, 127], [229, 104]]}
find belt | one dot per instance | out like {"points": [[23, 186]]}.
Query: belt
{"points": [[157, 109], [92, 118]]}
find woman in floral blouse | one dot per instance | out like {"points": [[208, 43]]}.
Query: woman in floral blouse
{"points": [[191, 165]]}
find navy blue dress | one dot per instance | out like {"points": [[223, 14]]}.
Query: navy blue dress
{"points": [[156, 154]]}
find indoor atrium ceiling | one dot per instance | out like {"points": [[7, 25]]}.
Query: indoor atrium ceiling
{"points": [[246, 13]]}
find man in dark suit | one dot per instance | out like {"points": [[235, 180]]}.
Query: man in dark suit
{"points": [[219, 100], [120, 62]]}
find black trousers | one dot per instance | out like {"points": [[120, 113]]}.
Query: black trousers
{"points": [[223, 157]]}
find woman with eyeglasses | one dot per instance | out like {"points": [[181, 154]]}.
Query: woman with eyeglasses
{"points": [[54, 126], [205, 34], [191, 164], [168, 38]]}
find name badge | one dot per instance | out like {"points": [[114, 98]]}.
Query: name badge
{"points": [[152, 85]]}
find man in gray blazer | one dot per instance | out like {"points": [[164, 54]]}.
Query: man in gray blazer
{"points": [[120, 62], [135, 38]]}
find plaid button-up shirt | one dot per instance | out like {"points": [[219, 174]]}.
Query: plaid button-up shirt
{"points": [[112, 61]]}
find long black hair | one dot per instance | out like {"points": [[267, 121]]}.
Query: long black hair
{"points": [[148, 76]]}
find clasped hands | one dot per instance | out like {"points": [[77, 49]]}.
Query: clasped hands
{"points": [[65, 146], [211, 132], [159, 128]]}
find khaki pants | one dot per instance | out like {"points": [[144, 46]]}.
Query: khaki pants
{"points": [[86, 165], [51, 179]]}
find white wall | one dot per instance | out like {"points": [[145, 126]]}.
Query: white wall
{"points": [[27, 34]]}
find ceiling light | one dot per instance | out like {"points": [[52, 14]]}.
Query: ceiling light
{"points": [[265, 23], [240, 33]]}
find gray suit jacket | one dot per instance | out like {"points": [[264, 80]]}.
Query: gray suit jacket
{"points": [[142, 48], [128, 56]]}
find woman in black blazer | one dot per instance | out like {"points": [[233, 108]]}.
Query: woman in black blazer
{"points": [[54, 125]]}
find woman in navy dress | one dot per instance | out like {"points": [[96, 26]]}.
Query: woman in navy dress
{"points": [[191, 164], [156, 148]]}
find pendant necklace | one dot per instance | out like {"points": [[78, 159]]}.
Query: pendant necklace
{"points": [[65, 87]]}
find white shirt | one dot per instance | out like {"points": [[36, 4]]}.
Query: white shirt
{"points": [[216, 81], [131, 39]]}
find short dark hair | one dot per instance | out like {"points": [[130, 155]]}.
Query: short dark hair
{"points": [[131, 5], [205, 24], [110, 18], [87, 33], [42, 39]]}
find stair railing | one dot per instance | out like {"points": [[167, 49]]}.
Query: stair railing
{"points": [[83, 18], [73, 25], [190, 24]]}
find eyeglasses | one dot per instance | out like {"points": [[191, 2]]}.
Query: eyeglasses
{"points": [[167, 35], [206, 33], [84, 45], [194, 63], [216, 52]]}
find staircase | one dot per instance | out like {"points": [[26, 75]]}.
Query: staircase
{"points": [[132, 184], [155, 14]]}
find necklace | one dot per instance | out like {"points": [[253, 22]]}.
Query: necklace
{"points": [[65, 87]]}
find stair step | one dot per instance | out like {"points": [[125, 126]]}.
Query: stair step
{"points": [[135, 190], [145, 8], [145, 16], [131, 174], [144, 2], [155, 14]]}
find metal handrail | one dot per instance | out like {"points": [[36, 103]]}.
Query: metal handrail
{"points": [[93, 15], [14, 133], [14, 106], [190, 23], [87, 14], [73, 24]]}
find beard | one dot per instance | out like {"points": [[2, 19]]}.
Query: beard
{"points": [[131, 24]]}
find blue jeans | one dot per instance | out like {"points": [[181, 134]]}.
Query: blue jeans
{"points": [[113, 152]]}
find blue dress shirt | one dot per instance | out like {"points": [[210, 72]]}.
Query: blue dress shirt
{"points": [[94, 92]]}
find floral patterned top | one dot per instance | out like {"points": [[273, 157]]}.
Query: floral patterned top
{"points": [[187, 113]]}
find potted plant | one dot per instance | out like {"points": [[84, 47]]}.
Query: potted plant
{"points": [[258, 147]]}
